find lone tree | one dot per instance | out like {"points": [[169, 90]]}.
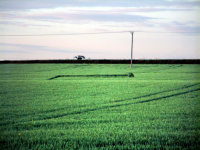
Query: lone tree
{"points": [[79, 57]]}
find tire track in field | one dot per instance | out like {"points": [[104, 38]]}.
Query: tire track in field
{"points": [[119, 105], [158, 93], [59, 109], [160, 69], [63, 68], [106, 107]]}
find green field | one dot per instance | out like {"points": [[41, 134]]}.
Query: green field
{"points": [[157, 109]]}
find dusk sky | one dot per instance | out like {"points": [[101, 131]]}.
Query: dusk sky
{"points": [[163, 29]]}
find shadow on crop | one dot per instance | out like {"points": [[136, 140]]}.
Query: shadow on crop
{"points": [[96, 75]]}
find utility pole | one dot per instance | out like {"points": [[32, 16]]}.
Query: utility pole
{"points": [[132, 49]]}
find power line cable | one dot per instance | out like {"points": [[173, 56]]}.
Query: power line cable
{"points": [[62, 34], [164, 32], [92, 33]]}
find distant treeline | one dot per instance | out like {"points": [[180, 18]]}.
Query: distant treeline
{"points": [[106, 61]]}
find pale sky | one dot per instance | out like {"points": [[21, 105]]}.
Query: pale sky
{"points": [[163, 29]]}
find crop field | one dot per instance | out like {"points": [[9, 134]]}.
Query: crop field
{"points": [[95, 106]]}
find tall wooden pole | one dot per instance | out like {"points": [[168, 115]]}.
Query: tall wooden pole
{"points": [[132, 50]]}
